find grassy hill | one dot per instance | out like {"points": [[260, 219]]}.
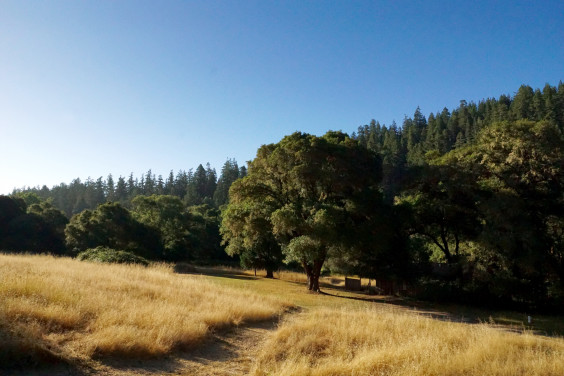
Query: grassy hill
{"points": [[62, 309], [90, 315]]}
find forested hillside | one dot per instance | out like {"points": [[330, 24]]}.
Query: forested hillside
{"points": [[194, 187], [464, 205], [407, 145]]}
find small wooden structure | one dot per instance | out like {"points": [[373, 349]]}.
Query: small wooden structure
{"points": [[352, 284]]}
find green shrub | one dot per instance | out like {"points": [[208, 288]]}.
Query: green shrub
{"points": [[109, 255]]}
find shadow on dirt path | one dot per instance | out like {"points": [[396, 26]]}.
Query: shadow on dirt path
{"points": [[226, 352]]}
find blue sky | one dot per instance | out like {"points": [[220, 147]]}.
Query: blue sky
{"points": [[97, 87]]}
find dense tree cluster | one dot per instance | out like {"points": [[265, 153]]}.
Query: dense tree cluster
{"points": [[407, 146], [302, 193], [480, 189], [29, 225], [470, 204], [496, 206], [467, 204], [173, 220], [157, 227]]}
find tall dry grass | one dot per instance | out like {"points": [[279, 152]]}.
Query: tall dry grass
{"points": [[61, 308], [382, 342]]}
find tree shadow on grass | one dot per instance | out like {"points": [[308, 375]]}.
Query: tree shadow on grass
{"points": [[424, 308], [418, 307], [216, 272], [23, 353], [232, 276]]}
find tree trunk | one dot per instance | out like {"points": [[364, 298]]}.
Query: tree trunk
{"points": [[309, 273], [314, 285], [316, 272], [269, 273], [313, 272]]}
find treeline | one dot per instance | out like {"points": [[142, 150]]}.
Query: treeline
{"points": [[176, 219], [193, 187], [464, 205], [405, 146]]}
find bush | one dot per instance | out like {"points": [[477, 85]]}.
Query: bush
{"points": [[109, 255]]}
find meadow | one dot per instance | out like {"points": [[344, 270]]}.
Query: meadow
{"points": [[57, 309], [62, 309], [378, 341]]}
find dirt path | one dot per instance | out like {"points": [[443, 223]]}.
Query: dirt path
{"points": [[227, 352], [231, 353]]}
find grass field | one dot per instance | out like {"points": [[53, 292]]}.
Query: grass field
{"points": [[345, 333], [58, 308], [381, 342]]}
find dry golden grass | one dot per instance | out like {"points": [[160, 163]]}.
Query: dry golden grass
{"points": [[61, 308], [383, 342], [300, 277]]}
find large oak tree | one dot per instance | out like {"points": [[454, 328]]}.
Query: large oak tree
{"points": [[307, 193]]}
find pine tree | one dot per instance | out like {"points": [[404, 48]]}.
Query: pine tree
{"points": [[181, 183], [160, 185], [522, 105], [121, 190], [229, 173], [169, 185], [211, 181], [131, 187], [110, 188], [149, 187]]}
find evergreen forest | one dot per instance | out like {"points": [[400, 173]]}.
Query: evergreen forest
{"points": [[463, 205]]}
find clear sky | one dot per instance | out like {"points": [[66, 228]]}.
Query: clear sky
{"points": [[90, 88]]}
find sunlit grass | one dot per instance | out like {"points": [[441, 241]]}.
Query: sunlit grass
{"points": [[334, 286], [61, 308], [373, 341], [55, 308], [300, 277], [289, 287]]}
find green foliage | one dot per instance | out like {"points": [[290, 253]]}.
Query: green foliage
{"points": [[111, 225], [521, 166], [443, 208], [109, 255], [504, 195], [229, 173], [201, 187], [30, 198], [209, 248], [404, 148], [167, 216], [247, 232], [37, 228], [301, 193]]}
